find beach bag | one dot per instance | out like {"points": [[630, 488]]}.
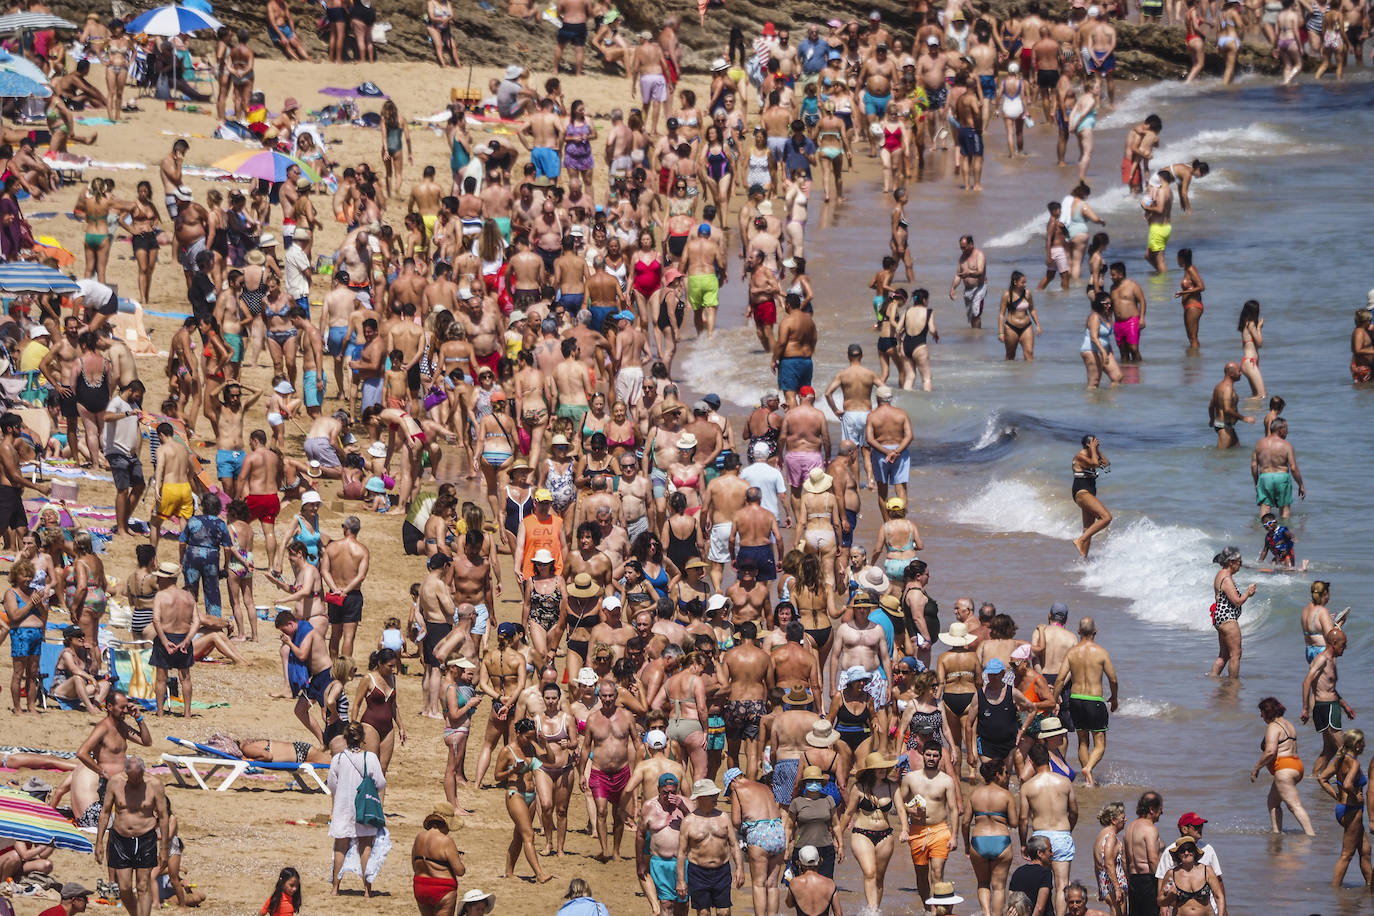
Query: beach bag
{"points": [[435, 397], [367, 807]]}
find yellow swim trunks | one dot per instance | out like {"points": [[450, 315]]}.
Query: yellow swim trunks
{"points": [[176, 500], [430, 219], [1159, 235], [703, 291]]}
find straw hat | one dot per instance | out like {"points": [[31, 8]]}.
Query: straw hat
{"points": [[822, 734], [814, 772], [256, 258], [873, 579], [584, 586], [797, 696], [168, 570], [587, 677], [956, 635], [687, 442], [442, 813], [942, 894], [1051, 726], [876, 761], [819, 481]]}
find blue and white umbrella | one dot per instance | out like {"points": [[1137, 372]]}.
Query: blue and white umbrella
{"points": [[172, 20], [17, 86], [23, 66], [32, 277]]}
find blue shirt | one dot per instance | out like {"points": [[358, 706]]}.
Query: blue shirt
{"points": [[813, 54], [881, 618], [205, 534], [797, 158]]}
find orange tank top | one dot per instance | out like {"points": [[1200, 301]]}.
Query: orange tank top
{"points": [[542, 536]]}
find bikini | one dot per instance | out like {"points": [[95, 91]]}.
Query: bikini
{"points": [[993, 845], [1342, 810], [957, 703], [680, 726], [281, 337], [872, 804], [554, 770]]}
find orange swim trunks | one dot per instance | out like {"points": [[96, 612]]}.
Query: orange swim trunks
{"points": [[929, 842]]}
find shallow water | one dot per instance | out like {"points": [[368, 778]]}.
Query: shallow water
{"points": [[1282, 218]]}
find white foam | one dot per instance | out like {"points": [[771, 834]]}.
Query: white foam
{"points": [[1145, 708], [1017, 506], [731, 364], [993, 430], [1162, 572], [1135, 105]]}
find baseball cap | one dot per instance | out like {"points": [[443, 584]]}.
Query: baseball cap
{"points": [[809, 856], [665, 778], [994, 667], [311, 497], [506, 629], [38, 331], [1059, 611], [73, 889], [542, 495], [807, 391], [932, 40], [1190, 819], [657, 739], [704, 229]]}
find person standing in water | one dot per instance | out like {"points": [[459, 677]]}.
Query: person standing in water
{"points": [[1086, 465]]}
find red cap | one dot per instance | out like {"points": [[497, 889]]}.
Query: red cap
{"points": [[1191, 819], [807, 391], [769, 29]]}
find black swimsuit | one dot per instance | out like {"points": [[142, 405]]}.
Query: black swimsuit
{"points": [[1084, 480]]}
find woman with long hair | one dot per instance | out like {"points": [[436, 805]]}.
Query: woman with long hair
{"points": [[1195, 39], [395, 136], [715, 166], [814, 597], [1096, 349], [1344, 780], [496, 446], [1087, 463], [577, 139], [1251, 328], [94, 383], [1279, 753], [375, 706], [872, 802], [88, 599], [1228, 602], [1016, 318], [94, 205]]}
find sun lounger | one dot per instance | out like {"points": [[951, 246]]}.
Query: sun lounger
{"points": [[203, 763]]}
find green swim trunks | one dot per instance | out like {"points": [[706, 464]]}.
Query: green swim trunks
{"points": [[574, 412], [703, 291], [1274, 489]]}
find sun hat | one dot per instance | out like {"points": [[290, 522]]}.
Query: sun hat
{"points": [[477, 896], [377, 450], [284, 387], [822, 734], [168, 570], [814, 772], [441, 813], [514, 71], [797, 696], [872, 578], [1050, 726], [256, 258], [818, 481], [376, 485], [730, 776], [704, 787], [459, 662], [716, 602], [542, 555], [311, 498], [314, 471], [942, 894], [584, 586], [687, 441], [559, 441], [956, 635], [876, 761], [853, 674], [1021, 653], [587, 677], [719, 64]]}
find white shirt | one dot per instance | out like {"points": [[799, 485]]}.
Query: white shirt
{"points": [[123, 435], [296, 272], [94, 293], [769, 480], [1209, 858]]}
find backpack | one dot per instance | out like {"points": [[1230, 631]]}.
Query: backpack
{"points": [[367, 807]]}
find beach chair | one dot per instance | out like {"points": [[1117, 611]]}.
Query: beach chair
{"points": [[210, 760], [47, 666]]}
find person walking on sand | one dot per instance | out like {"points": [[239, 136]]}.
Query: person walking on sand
{"points": [[1081, 673], [1086, 465]]}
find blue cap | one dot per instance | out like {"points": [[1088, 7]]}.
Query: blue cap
{"points": [[626, 314], [506, 629], [665, 778], [704, 229], [730, 775], [914, 663], [994, 667], [834, 54]]}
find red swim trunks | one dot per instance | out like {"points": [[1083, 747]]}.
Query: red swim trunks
{"points": [[263, 507], [609, 785], [490, 360], [765, 313]]}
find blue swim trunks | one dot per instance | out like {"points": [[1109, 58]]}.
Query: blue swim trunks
{"points": [[311, 389], [228, 463], [353, 349], [546, 164], [664, 872], [334, 341], [875, 106], [25, 642], [989, 86], [794, 373]]}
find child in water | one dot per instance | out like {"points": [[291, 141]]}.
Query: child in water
{"points": [[1278, 542]]}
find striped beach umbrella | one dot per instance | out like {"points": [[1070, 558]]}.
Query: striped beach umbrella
{"points": [[266, 164], [32, 277], [172, 20], [23, 22], [25, 818]]}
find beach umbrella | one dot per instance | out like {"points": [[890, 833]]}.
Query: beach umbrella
{"points": [[23, 22], [32, 277], [266, 164], [25, 818], [23, 66], [17, 86], [172, 20]]}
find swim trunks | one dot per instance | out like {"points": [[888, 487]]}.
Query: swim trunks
{"points": [[1274, 489], [761, 556], [1127, 332], [703, 291], [663, 870], [794, 373], [708, 887], [973, 300], [1159, 236], [892, 472], [573, 33], [263, 507], [609, 785], [1061, 844], [742, 718], [653, 88], [929, 842], [1326, 716], [1089, 713]]}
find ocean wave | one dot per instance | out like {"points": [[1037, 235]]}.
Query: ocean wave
{"points": [[1253, 140], [1020, 507], [1136, 104], [731, 365], [1145, 708]]}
